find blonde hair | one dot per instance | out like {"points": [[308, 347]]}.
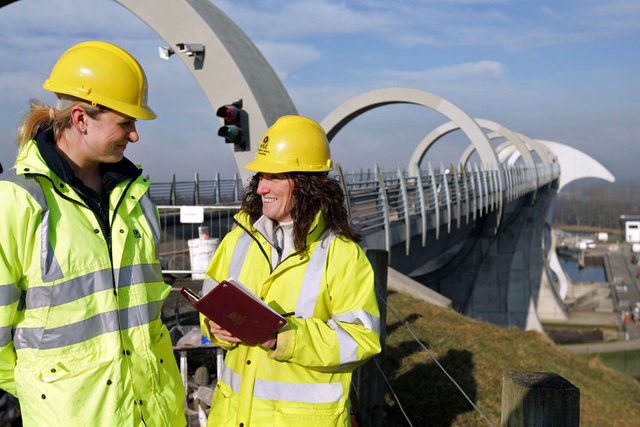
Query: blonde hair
{"points": [[42, 116]]}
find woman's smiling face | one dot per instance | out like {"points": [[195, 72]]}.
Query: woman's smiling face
{"points": [[277, 199]]}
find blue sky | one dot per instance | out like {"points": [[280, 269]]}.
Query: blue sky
{"points": [[562, 70]]}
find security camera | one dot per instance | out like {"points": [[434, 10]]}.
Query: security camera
{"points": [[190, 49], [165, 52]]}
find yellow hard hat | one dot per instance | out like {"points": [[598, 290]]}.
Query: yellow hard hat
{"points": [[293, 144], [102, 73]]}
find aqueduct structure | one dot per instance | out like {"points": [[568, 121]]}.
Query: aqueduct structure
{"points": [[478, 234]]}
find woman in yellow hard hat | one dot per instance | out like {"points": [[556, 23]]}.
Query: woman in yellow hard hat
{"points": [[81, 288], [295, 248]]}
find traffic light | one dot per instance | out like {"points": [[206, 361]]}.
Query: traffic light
{"points": [[236, 125]]}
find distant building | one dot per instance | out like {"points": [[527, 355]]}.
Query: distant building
{"points": [[631, 226]]}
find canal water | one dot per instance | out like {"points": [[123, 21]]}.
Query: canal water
{"points": [[577, 274]]}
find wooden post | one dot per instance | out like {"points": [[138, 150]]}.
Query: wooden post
{"points": [[539, 399], [369, 382]]}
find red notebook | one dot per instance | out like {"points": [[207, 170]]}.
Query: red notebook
{"points": [[234, 307]]}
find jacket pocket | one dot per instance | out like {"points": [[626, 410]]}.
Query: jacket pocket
{"points": [[300, 416], [223, 410]]}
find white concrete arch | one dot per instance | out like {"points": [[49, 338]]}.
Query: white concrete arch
{"points": [[575, 164], [545, 153], [351, 109], [507, 152], [515, 139]]}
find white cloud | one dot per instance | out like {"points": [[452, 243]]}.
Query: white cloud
{"points": [[468, 73], [287, 57]]}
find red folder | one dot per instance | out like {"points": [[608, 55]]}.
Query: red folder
{"points": [[235, 308]]}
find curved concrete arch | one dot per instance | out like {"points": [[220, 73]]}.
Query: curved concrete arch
{"points": [[575, 164], [351, 109], [507, 152], [232, 67], [424, 145], [542, 150], [546, 156]]}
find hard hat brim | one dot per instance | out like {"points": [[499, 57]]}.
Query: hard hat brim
{"points": [[271, 167]]}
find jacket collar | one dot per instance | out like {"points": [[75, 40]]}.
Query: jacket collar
{"points": [[318, 226]]}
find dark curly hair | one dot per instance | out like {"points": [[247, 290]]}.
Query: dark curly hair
{"points": [[312, 192]]}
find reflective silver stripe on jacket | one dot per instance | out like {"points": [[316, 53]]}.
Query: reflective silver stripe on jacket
{"points": [[5, 335], [75, 333], [207, 285], [312, 277], [359, 317], [89, 284], [9, 294], [50, 269], [239, 254], [150, 212], [291, 392], [138, 273]]}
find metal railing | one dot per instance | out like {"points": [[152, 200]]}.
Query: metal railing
{"points": [[376, 200]]}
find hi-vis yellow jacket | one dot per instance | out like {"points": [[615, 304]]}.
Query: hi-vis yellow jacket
{"points": [[81, 339], [305, 381]]}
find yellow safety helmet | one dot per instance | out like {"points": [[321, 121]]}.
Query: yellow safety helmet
{"points": [[293, 144], [102, 73]]}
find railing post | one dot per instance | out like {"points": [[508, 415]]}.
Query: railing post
{"points": [[236, 187], [436, 198], [474, 192], [369, 379], [539, 399], [457, 194], [444, 184], [486, 189], [405, 204], [345, 190], [196, 190], [172, 191], [423, 207], [217, 189], [385, 208]]}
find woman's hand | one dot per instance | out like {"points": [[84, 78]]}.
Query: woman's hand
{"points": [[271, 341], [222, 334]]}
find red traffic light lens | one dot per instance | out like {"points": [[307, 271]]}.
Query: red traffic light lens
{"points": [[231, 114]]}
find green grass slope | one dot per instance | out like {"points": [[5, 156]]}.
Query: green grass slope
{"points": [[476, 354]]}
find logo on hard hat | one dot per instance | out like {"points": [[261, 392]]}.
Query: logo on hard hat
{"points": [[264, 146]]}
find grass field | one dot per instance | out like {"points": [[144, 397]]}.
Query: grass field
{"points": [[625, 362], [476, 354]]}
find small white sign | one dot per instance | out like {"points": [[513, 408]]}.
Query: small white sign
{"points": [[192, 214]]}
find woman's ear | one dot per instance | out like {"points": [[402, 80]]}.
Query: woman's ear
{"points": [[79, 119]]}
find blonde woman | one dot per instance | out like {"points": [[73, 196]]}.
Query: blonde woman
{"points": [[81, 289]]}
